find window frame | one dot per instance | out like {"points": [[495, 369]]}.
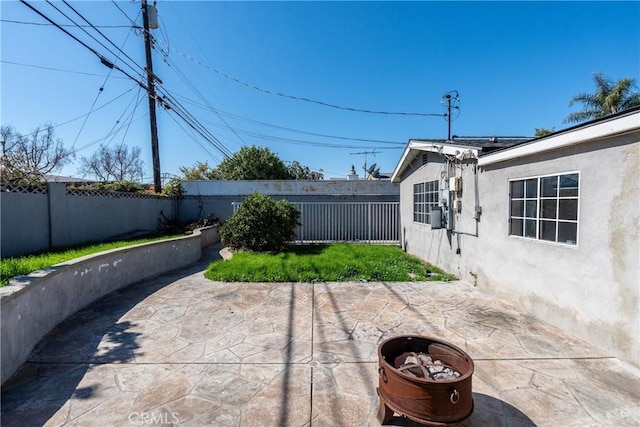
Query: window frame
{"points": [[424, 200], [524, 201]]}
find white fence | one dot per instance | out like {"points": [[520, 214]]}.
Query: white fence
{"points": [[368, 222]]}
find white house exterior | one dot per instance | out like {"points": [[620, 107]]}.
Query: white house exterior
{"points": [[551, 224]]}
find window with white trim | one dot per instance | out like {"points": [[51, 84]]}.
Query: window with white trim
{"points": [[425, 197], [545, 208]]}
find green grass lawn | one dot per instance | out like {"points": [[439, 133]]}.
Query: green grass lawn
{"points": [[326, 263], [16, 266]]}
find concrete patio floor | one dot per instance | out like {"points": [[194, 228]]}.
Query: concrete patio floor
{"points": [[183, 350]]}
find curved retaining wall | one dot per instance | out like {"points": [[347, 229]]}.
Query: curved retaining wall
{"points": [[32, 305]]}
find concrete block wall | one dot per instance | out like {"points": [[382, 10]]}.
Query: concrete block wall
{"points": [[204, 198], [34, 223]]}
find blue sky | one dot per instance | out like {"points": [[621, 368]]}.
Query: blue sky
{"points": [[515, 66]]}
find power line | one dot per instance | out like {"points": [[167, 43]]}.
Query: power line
{"points": [[103, 60], [113, 132], [58, 69], [303, 142], [187, 29], [117, 56], [134, 25], [314, 143], [299, 141], [10, 21], [168, 101], [173, 104], [346, 138], [119, 49], [299, 98], [86, 118], [82, 116], [128, 124], [190, 131], [176, 68], [107, 38], [194, 88]]}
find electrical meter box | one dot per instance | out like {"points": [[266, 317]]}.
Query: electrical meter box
{"points": [[436, 218], [455, 184]]}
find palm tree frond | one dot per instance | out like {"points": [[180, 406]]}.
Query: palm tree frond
{"points": [[610, 97]]}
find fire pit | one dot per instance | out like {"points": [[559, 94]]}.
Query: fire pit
{"points": [[424, 379]]}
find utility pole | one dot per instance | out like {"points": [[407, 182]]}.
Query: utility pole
{"points": [[3, 160], [448, 96], [151, 91], [452, 99]]}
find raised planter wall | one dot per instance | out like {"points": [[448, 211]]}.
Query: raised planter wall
{"points": [[32, 305]]}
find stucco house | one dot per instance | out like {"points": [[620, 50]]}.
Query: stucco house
{"points": [[551, 224]]}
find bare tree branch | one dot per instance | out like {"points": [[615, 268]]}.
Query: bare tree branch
{"points": [[29, 158], [117, 164]]}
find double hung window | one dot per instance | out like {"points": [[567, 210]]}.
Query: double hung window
{"points": [[425, 197], [545, 208]]}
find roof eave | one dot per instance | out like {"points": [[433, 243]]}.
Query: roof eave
{"points": [[418, 146], [591, 131]]}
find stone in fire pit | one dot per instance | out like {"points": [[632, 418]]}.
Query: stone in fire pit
{"points": [[421, 365], [424, 379]]}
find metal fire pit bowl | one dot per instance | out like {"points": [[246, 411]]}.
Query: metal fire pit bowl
{"points": [[424, 400]]}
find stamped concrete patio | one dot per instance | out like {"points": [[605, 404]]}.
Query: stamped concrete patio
{"points": [[183, 350]]}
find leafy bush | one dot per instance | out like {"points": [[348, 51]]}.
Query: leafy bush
{"points": [[173, 187], [125, 187], [261, 224], [121, 186]]}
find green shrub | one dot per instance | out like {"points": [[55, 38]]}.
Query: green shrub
{"points": [[261, 224], [125, 187], [121, 186], [173, 187]]}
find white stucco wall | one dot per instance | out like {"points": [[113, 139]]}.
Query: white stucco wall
{"points": [[290, 187], [204, 198], [590, 290]]}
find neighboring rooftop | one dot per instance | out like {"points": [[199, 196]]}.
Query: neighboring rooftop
{"points": [[66, 179], [495, 149], [484, 144]]}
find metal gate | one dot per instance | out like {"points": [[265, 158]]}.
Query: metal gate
{"points": [[368, 222]]}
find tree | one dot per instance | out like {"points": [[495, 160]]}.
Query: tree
{"points": [[252, 163], [199, 172], [543, 131], [117, 164], [28, 158], [610, 97], [297, 171], [173, 187]]}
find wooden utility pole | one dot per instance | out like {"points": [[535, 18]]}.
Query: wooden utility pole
{"points": [[151, 91]]}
